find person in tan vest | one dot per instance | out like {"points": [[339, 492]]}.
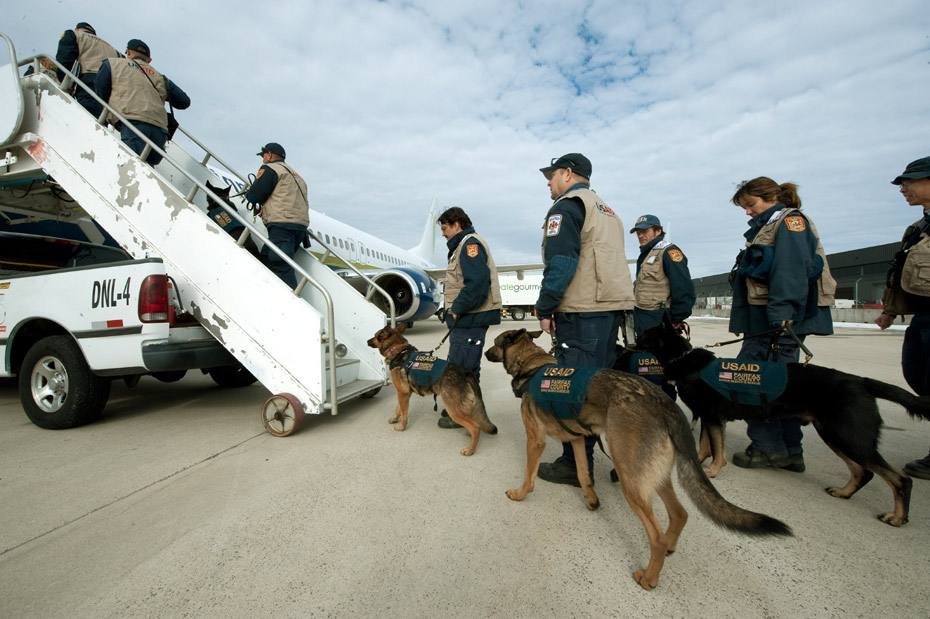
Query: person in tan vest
{"points": [[663, 282], [908, 291], [82, 45], [781, 278], [586, 284], [472, 294], [284, 207], [138, 92]]}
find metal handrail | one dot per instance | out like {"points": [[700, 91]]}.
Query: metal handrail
{"points": [[210, 154], [330, 314]]}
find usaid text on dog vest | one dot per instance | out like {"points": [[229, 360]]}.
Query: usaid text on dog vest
{"points": [[645, 365], [755, 383], [424, 369], [560, 390]]}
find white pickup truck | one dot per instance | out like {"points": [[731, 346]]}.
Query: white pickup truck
{"points": [[74, 316]]}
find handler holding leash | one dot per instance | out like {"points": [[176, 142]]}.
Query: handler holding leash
{"points": [[472, 295], [586, 284], [781, 278], [908, 292], [663, 281]]}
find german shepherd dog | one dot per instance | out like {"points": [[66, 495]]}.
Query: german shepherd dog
{"points": [[842, 408], [457, 387], [230, 225], [647, 436]]}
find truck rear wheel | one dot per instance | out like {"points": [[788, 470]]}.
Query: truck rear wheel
{"points": [[56, 386], [232, 376], [518, 313]]}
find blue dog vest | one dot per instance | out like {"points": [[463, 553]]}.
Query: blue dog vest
{"points": [[756, 383], [645, 365], [423, 369], [560, 390]]}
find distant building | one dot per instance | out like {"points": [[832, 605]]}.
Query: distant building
{"points": [[859, 274]]}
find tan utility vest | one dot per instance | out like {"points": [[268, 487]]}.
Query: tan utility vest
{"points": [[653, 290], [602, 281], [758, 293], [137, 95], [288, 203], [915, 274], [92, 51], [455, 280]]}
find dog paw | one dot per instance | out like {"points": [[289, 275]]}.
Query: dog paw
{"points": [[889, 518], [837, 492], [400, 427], [640, 577], [710, 472], [514, 494], [593, 505], [467, 451], [394, 419]]}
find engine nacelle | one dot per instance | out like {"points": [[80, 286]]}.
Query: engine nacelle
{"points": [[415, 295]]}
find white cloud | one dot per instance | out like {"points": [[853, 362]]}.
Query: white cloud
{"points": [[383, 105]]}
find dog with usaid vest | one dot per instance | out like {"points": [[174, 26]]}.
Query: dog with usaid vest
{"points": [[423, 374], [647, 436], [842, 407]]}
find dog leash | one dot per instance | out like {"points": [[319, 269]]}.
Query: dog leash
{"points": [[782, 330], [445, 337]]}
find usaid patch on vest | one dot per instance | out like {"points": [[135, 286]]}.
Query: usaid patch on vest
{"points": [[604, 208], [553, 225], [561, 390], [746, 382], [645, 365], [424, 369], [472, 251], [796, 223]]}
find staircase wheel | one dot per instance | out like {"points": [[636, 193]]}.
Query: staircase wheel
{"points": [[282, 414]]}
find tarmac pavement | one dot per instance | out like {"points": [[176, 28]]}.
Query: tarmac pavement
{"points": [[178, 504]]}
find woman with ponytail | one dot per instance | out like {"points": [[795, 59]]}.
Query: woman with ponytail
{"points": [[780, 279]]}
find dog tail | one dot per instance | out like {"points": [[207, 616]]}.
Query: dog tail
{"points": [[481, 413], [918, 407], [708, 501]]}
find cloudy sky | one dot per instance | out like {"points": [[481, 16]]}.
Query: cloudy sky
{"points": [[383, 106]]}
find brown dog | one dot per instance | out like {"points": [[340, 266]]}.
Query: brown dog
{"points": [[647, 435], [457, 387]]}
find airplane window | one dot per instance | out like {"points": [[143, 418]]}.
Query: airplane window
{"points": [[352, 246], [341, 245], [327, 239]]}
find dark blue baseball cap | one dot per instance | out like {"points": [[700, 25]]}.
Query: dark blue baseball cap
{"points": [[272, 147], [645, 222], [138, 45], [915, 169], [579, 164]]}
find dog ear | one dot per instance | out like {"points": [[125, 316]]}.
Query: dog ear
{"points": [[401, 327], [512, 336], [534, 334]]}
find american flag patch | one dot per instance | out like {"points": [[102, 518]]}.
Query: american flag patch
{"points": [[725, 376]]}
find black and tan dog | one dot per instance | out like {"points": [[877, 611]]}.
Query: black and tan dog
{"points": [[647, 436], [457, 387], [842, 408]]}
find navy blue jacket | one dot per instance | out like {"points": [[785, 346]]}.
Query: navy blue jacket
{"points": [[561, 254], [263, 186], [680, 285], [792, 282], [477, 285]]}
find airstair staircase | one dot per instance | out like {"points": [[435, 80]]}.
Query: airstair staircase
{"points": [[307, 346]]}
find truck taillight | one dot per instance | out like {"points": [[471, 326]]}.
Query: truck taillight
{"points": [[153, 299]]}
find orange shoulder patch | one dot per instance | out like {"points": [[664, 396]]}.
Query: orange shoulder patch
{"points": [[472, 251], [675, 255], [796, 223]]}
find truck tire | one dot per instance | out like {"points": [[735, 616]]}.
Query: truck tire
{"points": [[231, 376], [56, 386], [172, 376], [518, 313]]}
